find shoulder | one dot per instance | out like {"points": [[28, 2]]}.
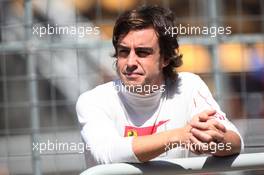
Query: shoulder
{"points": [[188, 77], [188, 81], [98, 95]]}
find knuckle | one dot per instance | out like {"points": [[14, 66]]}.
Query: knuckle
{"points": [[209, 139]]}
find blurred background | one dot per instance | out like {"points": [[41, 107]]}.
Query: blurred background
{"points": [[41, 77]]}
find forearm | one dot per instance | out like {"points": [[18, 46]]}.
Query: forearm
{"points": [[151, 146], [232, 144]]}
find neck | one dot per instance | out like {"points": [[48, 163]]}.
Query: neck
{"points": [[145, 89]]}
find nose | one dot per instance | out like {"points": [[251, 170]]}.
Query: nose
{"points": [[131, 62]]}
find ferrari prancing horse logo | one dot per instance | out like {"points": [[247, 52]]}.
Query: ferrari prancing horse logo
{"points": [[132, 133]]}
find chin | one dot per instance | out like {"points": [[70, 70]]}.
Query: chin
{"points": [[132, 82]]}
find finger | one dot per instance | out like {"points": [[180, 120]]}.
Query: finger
{"points": [[210, 112], [200, 125], [219, 126], [203, 117], [195, 118], [193, 146], [198, 146], [188, 127], [206, 115], [216, 136], [201, 135]]}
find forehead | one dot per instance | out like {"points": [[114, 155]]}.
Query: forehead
{"points": [[143, 37]]}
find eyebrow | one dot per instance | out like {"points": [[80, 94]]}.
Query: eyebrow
{"points": [[148, 49], [122, 47]]}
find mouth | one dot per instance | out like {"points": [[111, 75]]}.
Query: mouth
{"points": [[133, 75]]}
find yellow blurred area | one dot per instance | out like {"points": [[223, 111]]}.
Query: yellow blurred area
{"points": [[106, 31], [260, 50], [196, 59], [83, 5], [238, 57], [109, 5], [233, 57], [115, 5], [86, 5]]}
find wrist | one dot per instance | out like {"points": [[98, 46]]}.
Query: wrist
{"points": [[179, 137]]}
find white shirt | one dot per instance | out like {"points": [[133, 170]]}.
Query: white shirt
{"points": [[110, 116]]}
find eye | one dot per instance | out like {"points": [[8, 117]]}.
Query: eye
{"points": [[142, 53], [123, 53]]}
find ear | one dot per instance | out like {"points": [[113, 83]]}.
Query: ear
{"points": [[165, 62]]}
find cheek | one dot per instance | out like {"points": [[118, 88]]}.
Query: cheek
{"points": [[150, 69], [119, 64], [153, 66]]}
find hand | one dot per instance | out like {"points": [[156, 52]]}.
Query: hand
{"points": [[180, 137], [206, 132]]}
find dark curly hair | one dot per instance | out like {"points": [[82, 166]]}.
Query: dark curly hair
{"points": [[160, 19]]}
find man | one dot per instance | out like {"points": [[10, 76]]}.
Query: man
{"points": [[152, 111]]}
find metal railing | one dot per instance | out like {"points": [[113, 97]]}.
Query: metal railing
{"points": [[253, 161]]}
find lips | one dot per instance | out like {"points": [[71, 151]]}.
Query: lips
{"points": [[133, 75]]}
